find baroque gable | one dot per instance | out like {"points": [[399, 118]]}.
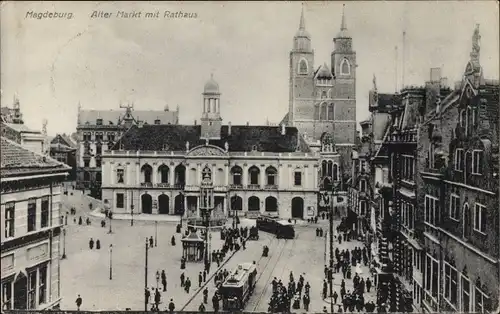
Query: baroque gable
{"points": [[206, 150]]}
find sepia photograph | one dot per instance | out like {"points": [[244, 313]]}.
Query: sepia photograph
{"points": [[250, 157]]}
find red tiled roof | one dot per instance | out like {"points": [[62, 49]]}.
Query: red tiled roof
{"points": [[17, 160]]}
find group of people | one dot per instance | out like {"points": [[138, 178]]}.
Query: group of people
{"points": [[282, 296], [97, 244]]}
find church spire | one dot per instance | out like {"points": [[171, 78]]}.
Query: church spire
{"points": [[476, 47], [343, 25], [302, 25]]}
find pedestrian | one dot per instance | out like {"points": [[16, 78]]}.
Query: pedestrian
{"points": [[317, 232], [171, 306], [98, 244], [151, 241], [325, 310], [147, 295], [200, 279], [172, 241], [80, 220], [325, 288], [205, 295], [205, 275], [201, 309], [164, 280], [335, 296], [306, 300], [103, 223], [157, 298], [91, 243], [188, 284], [182, 279], [215, 302], [78, 302]]}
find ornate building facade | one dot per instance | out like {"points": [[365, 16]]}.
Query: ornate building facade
{"points": [[323, 99], [98, 130], [31, 228], [255, 169]]}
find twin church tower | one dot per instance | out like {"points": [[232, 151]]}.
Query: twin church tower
{"points": [[323, 99]]}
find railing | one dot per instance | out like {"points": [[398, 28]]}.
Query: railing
{"points": [[236, 186], [191, 188], [271, 187], [162, 185], [220, 188], [254, 186], [147, 184]]}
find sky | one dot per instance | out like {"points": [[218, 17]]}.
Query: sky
{"points": [[55, 63]]}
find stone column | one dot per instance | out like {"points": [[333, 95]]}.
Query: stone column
{"points": [[226, 168], [138, 174], [245, 175], [262, 176], [306, 177], [154, 177]]}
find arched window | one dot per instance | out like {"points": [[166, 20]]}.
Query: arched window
{"points": [[362, 185], [253, 203], [474, 116], [164, 172], [271, 204], [323, 95], [324, 170], [254, 175], [303, 67], [345, 67], [236, 203], [329, 171], [322, 111], [329, 94], [335, 174], [146, 172], [316, 112], [330, 112], [271, 175], [236, 174]]}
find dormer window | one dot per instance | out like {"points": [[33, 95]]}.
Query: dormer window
{"points": [[165, 146], [157, 121], [303, 67], [99, 122], [345, 67]]}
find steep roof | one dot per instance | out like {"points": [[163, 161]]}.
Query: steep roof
{"points": [[113, 116], [21, 128], [242, 138], [63, 140], [17, 160]]}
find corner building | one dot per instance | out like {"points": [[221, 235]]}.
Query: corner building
{"points": [[156, 169], [323, 99]]}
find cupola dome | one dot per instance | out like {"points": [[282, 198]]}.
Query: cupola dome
{"points": [[211, 86]]}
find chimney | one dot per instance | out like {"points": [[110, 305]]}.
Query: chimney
{"points": [[283, 129], [229, 128], [432, 90], [195, 122]]}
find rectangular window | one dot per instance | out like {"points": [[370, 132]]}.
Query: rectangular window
{"points": [[431, 210], [157, 121], [98, 162], [431, 276], [459, 159], [44, 217], [120, 175], [297, 178], [86, 163], [362, 186], [9, 219], [99, 137], [31, 215], [111, 137], [479, 217], [454, 206], [465, 287], [32, 290], [363, 207], [477, 162], [450, 283], [482, 301], [411, 219], [42, 285], [119, 200], [98, 150], [99, 122], [6, 295]]}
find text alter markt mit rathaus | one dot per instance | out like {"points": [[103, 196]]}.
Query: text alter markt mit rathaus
{"points": [[141, 14]]}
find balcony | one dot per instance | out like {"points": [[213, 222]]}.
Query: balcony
{"points": [[402, 137], [254, 186], [146, 184], [271, 187], [220, 188], [162, 185], [179, 186], [236, 186], [192, 188]]}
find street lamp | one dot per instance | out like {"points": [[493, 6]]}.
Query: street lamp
{"points": [[64, 244], [132, 210], [110, 261], [156, 232], [107, 208], [206, 205], [157, 279], [146, 276]]}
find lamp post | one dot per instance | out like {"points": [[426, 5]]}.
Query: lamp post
{"points": [[111, 262], [157, 278], [107, 206], [207, 205], [132, 210], [156, 233], [64, 244], [330, 220], [146, 277]]}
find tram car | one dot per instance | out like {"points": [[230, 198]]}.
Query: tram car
{"points": [[281, 228], [238, 287], [254, 233]]}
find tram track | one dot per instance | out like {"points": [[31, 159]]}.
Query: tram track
{"points": [[254, 302]]}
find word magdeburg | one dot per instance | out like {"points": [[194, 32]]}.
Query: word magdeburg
{"points": [[49, 15]]}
